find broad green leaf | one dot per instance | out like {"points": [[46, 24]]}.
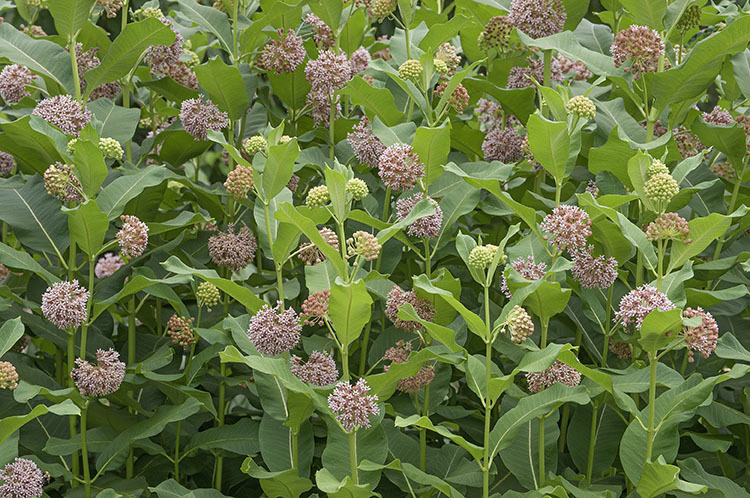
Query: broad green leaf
{"points": [[416, 475], [210, 20], [224, 85], [90, 166], [279, 168], [336, 183], [444, 335], [126, 50], [375, 101], [328, 12], [656, 326], [280, 484], [659, 478], [240, 437], [88, 227], [172, 489], [10, 332], [70, 15], [703, 231], [291, 88], [637, 172], [371, 445], [425, 422], [475, 324], [33, 150], [432, 146], [344, 488], [727, 139], [691, 469], [113, 198], [548, 300], [350, 308], [567, 44], [647, 12], [114, 121], [9, 425], [20, 260], [741, 71], [353, 31]]}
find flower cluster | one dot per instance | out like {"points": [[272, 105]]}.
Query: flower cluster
{"points": [[502, 145], [352, 405], [232, 250], [661, 187], [311, 254], [718, 116], [21, 479], [380, 9], [254, 144], [367, 147], [162, 58], [537, 18], [429, 226], [448, 55], [364, 245], [559, 372], [496, 34], [576, 68], [400, 167], [638, 303], [640, 45], [239, 181], [322, 34], [64, 112], [360, 60], [621, 350], [315, 307], [284, 54], [318, 196], [60, 181], [459, 98], [691, 18], [64, 304], [481, 256], [489, 114], [7, 163], [8, 376], [207, 295], [397, 298], [528, 269], [133, 237], [569, 226], [669, 226], [320, 369], [100, 380], [703, 337], [582, 107], [108, 264], [180, 329], [410, 70], [326, 74], [13, 81], [199, 116], [274, 331], [520, 76], [593, 271], [357, 189], [520, 325]]}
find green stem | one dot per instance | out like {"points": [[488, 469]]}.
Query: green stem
{"points": [[685, 359], [85, 451], [487, 460], [353, 457], [563, 428], [342, 239], [592, 444], [427, 256], [277, 266], [653, 362], [345, 362], [177, 452], [423, 432], [129, 464], [74, 66], [222, 402], [85, 326], [124, 14], [660, 267], [545, 328], [126, 105], [547, 75], [331, 123], [608, 325], [542, 470], [364, 343], [75, 464], [558, 192], [295, 448]]}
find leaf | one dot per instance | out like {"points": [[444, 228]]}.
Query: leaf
{"points": [[9, 425], [328, 12], [43, 57], [432, 146], [741, 71], [224, 86], [350, 308], [475, 451], [728, 139], [647, 12], [240, 437], [638, 173], [375, 101], [658, 478], [10, 332], [344, 488], [33, 150], [113, 198], [20, 260], [279, 168], [70, 15], [444, 335], [655, 328], [88, 227], [126, 50], [703, 231], [291, 88], [172, 489], [280, 484], [567, 44], [114, 121], [416, 475], [475, 324], [90, 166], [548, 299], [210, 20]]}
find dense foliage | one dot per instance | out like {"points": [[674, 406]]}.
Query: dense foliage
{"points": [[374, 248]]}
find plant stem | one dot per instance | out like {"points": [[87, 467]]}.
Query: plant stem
{"points": [[364, 343], [653, 362], [85, 325], [85, 451], [222, 395], [126, 103], [131, 361], [331, 123], [547, 76], [423, 431], [277, 266], [74, 66], [124, 14], [592, 443], [563, 428], [685, 360], [487, 401], [608, 325], [353, 456], [177, 452], [660, 267], [72, 418], [542, 472], [545, 327], [558, 192]]}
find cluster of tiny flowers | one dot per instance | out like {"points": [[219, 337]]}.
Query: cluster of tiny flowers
{"points": [[537, 18], [239, 181], [582, 107], [181, 331], [481, 256], [363, 244], [232, 250], [367, 147], [284, 54], [489, 114], [570, 226], [64, 112], [690, 19], [529, 156], [669, 226], [357, 189], [322, 34], [429, 226], [592, 188], [87, 60], [641, 45], [64, 304], [398, 353], [13, 81], [293, 182], [718, 116], [100, 380], [520, 325], [108, 265], [161, 58], [148, 12], [593, 271], [7, 163], [60, 181], [320, 369], [496, 34], [311, 254], [638, 303], [703, 337], [459, 98], [318, 196], [399, 167], [4, 272], [722, 170], [410, 70], [397, 298], [198, 117], [21, 479], [661, 187], [577, 68], [255, 144], [110, 7], [360, 60], [448, 54], [621, 350], [208, 295], [502, 145], [111, 148], [416, 382], [133, 237], [381, 9], [326, 74], [352, 405], [559, 372], [656, 167], [687, 144], [315, 307], [528, 269], [273, 331], [520, 76], [8, 375], [744, 121]]}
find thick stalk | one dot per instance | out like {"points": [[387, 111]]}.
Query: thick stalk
{"points": [[124, 14], [547, 75], [592, 443], [363, 349], [639, 269], [295, 448], [74, 66], [85, 451], [660, 267], [85, 325], [277, 267], [75, 464], [353, 456], [177, 452], [558, 192], [487, 402], [651, 405], [685, 359], [545, 328], [345, 362], [331, 123], [129, 463], [542, 470], [732, 203], [607, 325], [222, 395], [423, 432], [563, 428], [126, 105]]}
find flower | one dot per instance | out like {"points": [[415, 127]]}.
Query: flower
{"points": [[688, 144], [519, 76], [328, 73], [537, 18], [100, 380], [577, 68], [398, 353], [64, 304], [293, 181], [111, 148], [60, 181], [198, 117], [496, 34], [448, 55], [363, 244], [230, 250], [21, 479], [397, 298], [360, 60], [7, 163], [108, 264], [703, 337], [410, 70], [254, 144], [657, 167], [273, 331], [181, 331], [641, 45], [669, 226], [718, 116], [284, 54], [661, 187], [559, 372], [416, 382], [311, 254], [429, 226], [367, 147], [13, 81], [64, 112], [320, 369], [352, 405], [357, 189], [318, 196], [87, 60], [162, 58], [8, 375], [520, 325], [399, 167], [481, 256], [593, 271], [133, 237], [569, 226], [592, 188], [722, 170], [110, 7], [621, 350], [381, 9], [315, 307], [459, 98], [582, 107], [638, 303], [207, 295], [691, 18], [239, 181], [502, 145], [528, 269], [322, 34]]}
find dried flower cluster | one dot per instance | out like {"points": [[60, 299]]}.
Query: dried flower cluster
{"points": [[232, 250]]}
